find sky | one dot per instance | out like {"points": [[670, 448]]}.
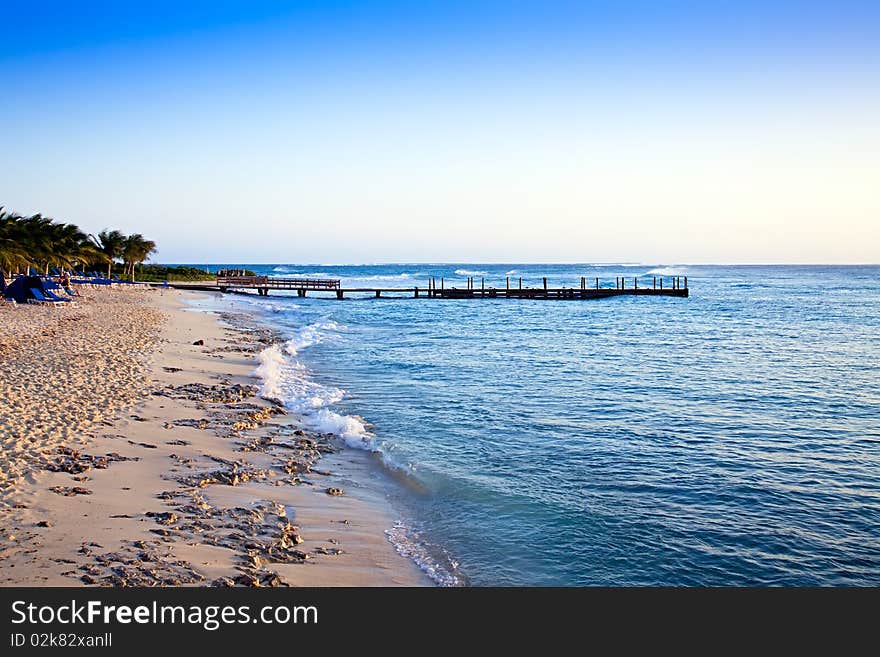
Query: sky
{"points": [[362, 132]]}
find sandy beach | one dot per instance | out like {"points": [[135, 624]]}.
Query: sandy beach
{"points": [[138, 452]]}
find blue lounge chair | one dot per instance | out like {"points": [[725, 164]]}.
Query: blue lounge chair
{"points": [[39, 297], [49, 294], [63, 292]]}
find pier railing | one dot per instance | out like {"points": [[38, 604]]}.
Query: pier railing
{"points": [[265, 282], [588, 288]]}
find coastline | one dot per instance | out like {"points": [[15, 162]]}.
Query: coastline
{"points": [[188, 477]]}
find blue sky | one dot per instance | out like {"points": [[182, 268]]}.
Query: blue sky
{"points": [[505, 131]]}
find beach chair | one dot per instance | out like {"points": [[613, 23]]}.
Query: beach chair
{"points": [[42, 299], [62, 291], [51, 296]]}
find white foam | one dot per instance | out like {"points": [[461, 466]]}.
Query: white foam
{"points": [[409, 544], [311, 335], [383, 277], [270, 371], [289, 381], [468, 272], [669, 271]]}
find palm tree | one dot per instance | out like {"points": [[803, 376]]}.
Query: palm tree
{"points": [[135, 250], [40, 242], [37, 239], [68, 245], [110, 243], [12, 253]]}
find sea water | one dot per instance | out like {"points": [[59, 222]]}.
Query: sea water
{"points": [[732, 437]]}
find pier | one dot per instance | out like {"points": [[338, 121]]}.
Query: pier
{"points": [[436, 288]]}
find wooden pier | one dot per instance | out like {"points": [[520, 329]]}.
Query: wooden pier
{"points": [[262, 284], [588, 288]]}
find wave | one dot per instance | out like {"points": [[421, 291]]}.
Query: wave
{"points": [[311, 335], [382, 277], [468, 272], [668, 271], [267, 306], [439, 567], [288, 381], [301, 274], [270, 371], [512, 272], [276, 307]]}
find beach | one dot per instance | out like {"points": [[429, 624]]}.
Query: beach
{"points": [[137, 451]]}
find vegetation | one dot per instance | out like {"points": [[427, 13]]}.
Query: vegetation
{"points": [[158, 273], [42, 243]]}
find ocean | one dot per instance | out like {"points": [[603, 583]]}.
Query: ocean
{"points": [[730, 438]]}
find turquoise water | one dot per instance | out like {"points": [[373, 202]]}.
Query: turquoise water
{"points": [[729, 438]]}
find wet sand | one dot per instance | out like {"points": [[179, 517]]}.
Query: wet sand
{"points": [[134, 457]]}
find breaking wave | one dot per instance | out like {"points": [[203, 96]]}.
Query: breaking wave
{"points": [[288, 381], [468, 272], [383, 277], [668, 271]]}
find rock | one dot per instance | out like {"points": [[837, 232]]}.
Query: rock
{"points": [[198, 343], [69, 491], [246, 579], [335, 491], [44, 523], [289, 540], [165, 518], [272, 580]]}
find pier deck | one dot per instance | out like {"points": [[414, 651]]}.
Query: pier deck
{"points": [[674, 286]]}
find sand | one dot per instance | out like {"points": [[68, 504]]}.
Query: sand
{"points": [[133, 457]]}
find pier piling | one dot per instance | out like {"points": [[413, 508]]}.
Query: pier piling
{"points": [[676, 287]]}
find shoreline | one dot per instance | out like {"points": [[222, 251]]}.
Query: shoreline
{"points": [[198, 482]]}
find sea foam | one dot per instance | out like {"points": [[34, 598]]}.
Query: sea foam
{"points": [[290, 382], [434, 562], [668, 271]]}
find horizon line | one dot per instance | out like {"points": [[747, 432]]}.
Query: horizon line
{"points": [[526, 262]]}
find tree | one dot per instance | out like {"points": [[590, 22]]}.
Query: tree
{"points": [[135, 251], [68, 245], [12, 252], [41, 242], [111, 244], [37, 239]]}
